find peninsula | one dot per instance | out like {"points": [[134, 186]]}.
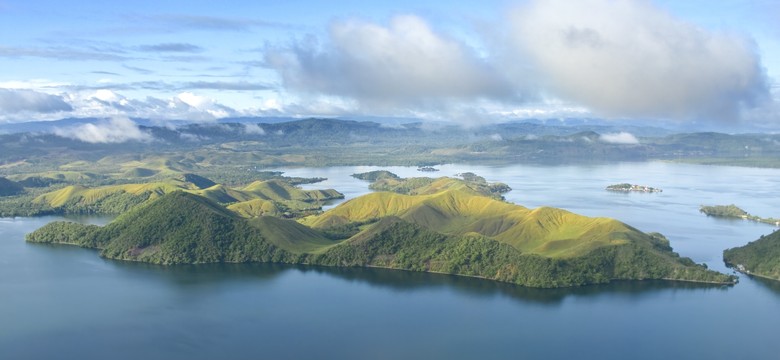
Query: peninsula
{"points": [[734, 212]]}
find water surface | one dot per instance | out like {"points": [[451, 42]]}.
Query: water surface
{"points": [[66, 302]]}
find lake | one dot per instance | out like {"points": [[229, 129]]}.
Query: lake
{"points": [[66, 302]]}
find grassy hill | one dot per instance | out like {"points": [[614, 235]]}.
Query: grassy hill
{"points": [[459, 210], [279, 197], [426, 185], [454, 231], [760, 257], [177, 228]]}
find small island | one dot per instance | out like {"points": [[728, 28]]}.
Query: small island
{"points": [[626, 187], [734, 212], [427, 169]]}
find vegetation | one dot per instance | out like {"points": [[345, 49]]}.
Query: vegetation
{"points": [[449, 232], [425, 185], [10, 188], [734, 212], [375, 175], [760, 257]]}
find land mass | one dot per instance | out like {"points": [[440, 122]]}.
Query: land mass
{"points": [[444, 225], [626, 187], [760, 257], [734, 212]]}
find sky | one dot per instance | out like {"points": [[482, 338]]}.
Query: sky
{"points": [[469, 62]]}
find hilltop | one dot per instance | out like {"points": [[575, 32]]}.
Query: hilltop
{"points": [[448, 228], [760, 257]]}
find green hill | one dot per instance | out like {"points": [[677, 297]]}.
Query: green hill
{"points": [[544, 231], [426, 185], [116, 199], [177, 228], [760, 257], [375, 175], [441, 232], [9, 188]]}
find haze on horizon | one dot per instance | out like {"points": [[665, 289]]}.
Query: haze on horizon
{"points": [[637, 61]]}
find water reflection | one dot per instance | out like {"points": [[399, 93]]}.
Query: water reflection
{"points": [[772, 285], [208, 275]]}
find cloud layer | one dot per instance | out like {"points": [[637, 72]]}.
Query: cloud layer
{"points": [[116, 130], [14, 101]]}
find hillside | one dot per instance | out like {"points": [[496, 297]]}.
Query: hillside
{"points": [[9, 188], [459, 210], [453, 231], [760, 257], [177, 228], [280, 197]]}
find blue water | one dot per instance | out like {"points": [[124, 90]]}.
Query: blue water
{"points": [[66, 302]]}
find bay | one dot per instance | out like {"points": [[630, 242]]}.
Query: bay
{"points": [[66, 302]]}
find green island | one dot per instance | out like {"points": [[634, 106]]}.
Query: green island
{"points": [[626, 187], [443, 225], [734, 212], [759, 258]]}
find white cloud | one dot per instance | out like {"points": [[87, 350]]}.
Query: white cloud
{"points": [[628, 58], [623, 138], [253, 129], [15, 101], [116, 130], [402, 64]]}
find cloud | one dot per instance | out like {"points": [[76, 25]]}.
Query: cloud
{"points": [[27, 101], [622, 138], [59, 53], [627, 58], [171, 47], [116, 130], [224, 85], [406, 63], [253, 129], [184, 106]]}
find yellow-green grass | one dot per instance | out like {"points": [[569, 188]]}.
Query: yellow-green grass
{"points": [[544, 231]]}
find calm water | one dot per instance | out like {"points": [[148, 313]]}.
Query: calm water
{"points": [[66, 302]]}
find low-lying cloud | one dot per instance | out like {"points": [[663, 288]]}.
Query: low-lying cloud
{"points": [[116, 130], [14, 101], [621, 138]]}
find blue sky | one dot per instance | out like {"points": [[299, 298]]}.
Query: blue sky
{"points": [[473, 62]]}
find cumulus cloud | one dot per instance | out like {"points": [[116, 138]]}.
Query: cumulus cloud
{"points": [[622, 138], [116, 130], [14, 101], [631, 59], [406, 62]]}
